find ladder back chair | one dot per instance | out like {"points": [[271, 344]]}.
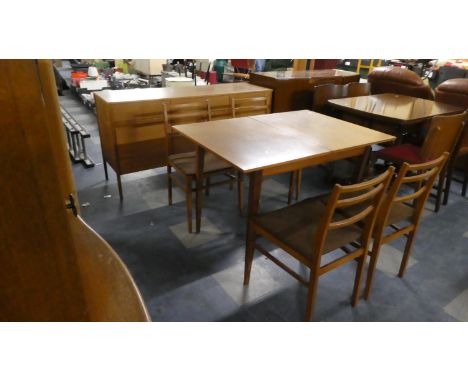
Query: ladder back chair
{"points": [[357, 89], [181, 154], [443, 136], [403, 208], [458, 160], [311, 229], [323, 93]]}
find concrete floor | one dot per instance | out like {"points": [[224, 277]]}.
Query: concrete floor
{"points": [[186, 277]]}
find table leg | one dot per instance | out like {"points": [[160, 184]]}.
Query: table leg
{"points": [[362, 164], [255, 190], [199, 186]]}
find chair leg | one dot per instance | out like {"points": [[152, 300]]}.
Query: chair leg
{"points": [[119, 185], [407, 253], [207, 185], [440, 189], [448, 183], [105, 168], [465, 181], [240, 191], [188, 201], [298, 183], [169, 184], [292, 182], [358, 278], [312, 295], [374, 256]]}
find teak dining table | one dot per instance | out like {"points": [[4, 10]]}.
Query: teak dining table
{"points": [[394, 109], [271, 144]]}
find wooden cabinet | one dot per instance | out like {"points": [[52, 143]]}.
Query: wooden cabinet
{"points": [[131, 123], [293, 90]]}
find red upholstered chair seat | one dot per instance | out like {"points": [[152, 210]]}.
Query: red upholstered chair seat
{"points": [[402, 153]]}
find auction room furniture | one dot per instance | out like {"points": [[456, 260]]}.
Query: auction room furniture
{"points": [[403, 209], [243, 107], [293, 90], [181, 154], [53, 266], [390, 79], [393, 113], [324, 93], [357, 89], [310, 230], [276, 143], [443, 135], [132, 129], [455, 92]]}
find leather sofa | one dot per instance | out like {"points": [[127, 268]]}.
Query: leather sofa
{"points": [[453, 92], [390, 79]]}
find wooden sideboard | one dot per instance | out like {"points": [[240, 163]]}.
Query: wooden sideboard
{"points": [[293, 90], [131, 123]]}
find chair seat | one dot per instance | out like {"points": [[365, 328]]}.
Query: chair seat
{"points": [[186, 163], [296, 226], [401, 153]]}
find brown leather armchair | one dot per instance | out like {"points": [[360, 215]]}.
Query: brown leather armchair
{"points": [[453, 92], [389, 79]]}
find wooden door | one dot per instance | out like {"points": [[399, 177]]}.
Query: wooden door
{"points": [[52, 266]]}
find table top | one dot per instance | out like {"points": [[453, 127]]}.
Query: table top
{"points": [[305, 74], [269, 140], [148, 94], [401, 108]]}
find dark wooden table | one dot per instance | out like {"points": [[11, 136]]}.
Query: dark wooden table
{"points": [[400, 112], [293, 90]]}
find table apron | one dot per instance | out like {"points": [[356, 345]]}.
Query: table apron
{"points": [[314, 161]]}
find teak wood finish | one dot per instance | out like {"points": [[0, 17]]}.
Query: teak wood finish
{"points": [[309, 230], [131, 124], [181, 155], [406, 209], [293, 90], [276, 143], [53, 267]]}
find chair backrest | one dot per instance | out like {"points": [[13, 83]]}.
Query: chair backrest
{"points": [[177, 114], [363, 199], [444, 133], [243, 107], [357, 89], [420, 178], [388, 79], [323, 93]]}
